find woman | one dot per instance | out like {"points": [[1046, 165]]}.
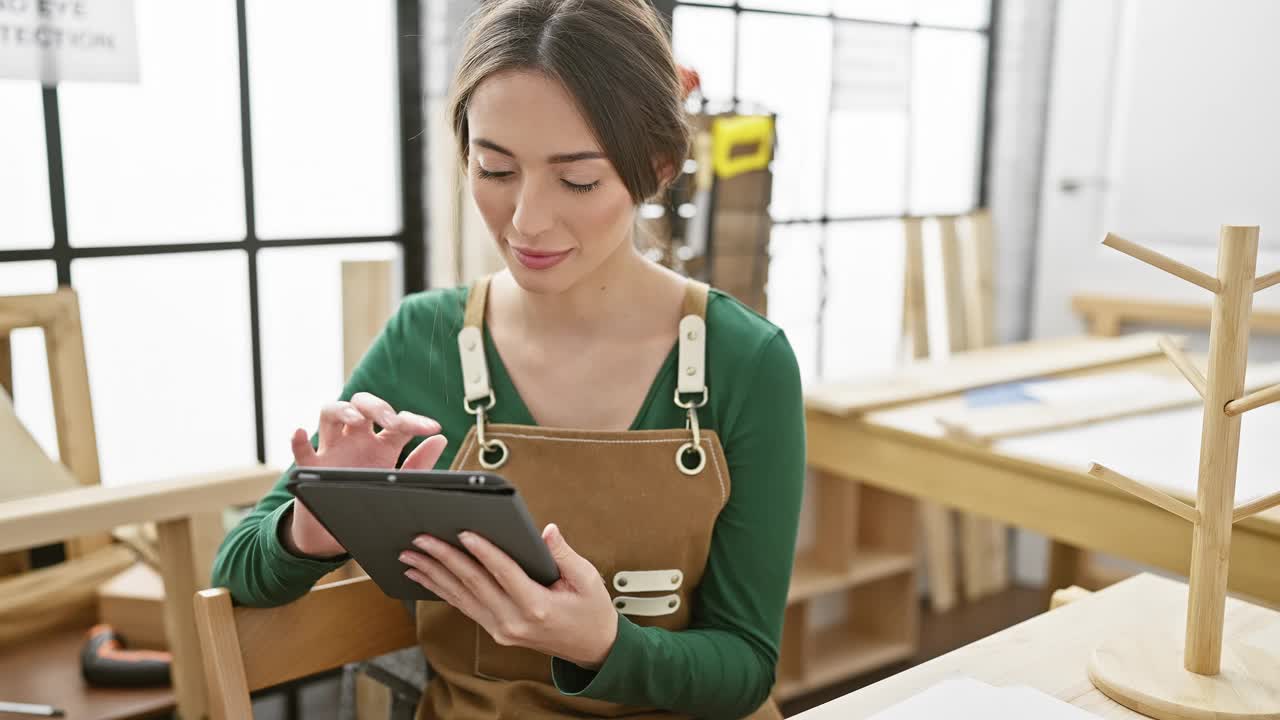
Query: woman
{"points": [[670, 470]]}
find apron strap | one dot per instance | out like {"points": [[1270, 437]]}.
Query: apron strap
{"points": [[475, 371], [691, 372]]}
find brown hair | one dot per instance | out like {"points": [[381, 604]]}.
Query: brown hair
{"points": [[614, 58]]}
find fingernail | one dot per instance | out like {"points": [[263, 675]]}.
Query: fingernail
{"points": [[388, 420], [423, 542], [352, 416], [404, 557], [466, 538]]}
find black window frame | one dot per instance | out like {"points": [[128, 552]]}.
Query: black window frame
{"points": [[824, 221], [412, 238]]}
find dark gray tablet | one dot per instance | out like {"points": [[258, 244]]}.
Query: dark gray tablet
{"points": [[375, 514]]}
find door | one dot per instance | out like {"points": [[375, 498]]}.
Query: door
{"points": [[1162, 127]]}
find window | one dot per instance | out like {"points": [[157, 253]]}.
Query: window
{"points": [[881, 113], [202, 215]]}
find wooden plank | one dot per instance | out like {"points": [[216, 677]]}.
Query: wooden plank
{"points": [[915, 316], [940, 555], [989, 424], [72, 408], [975, 555], [28, 470], [47, 518], [40, 310], [953, 291], [837, 522], [6, 363], [1065, 564], [979, 286], [206, 535], [178, 571], [1031, 494], [222, 656], [61, 595], [970, 264], [132, 602], [1049, 652], [978, 368], [812, 578], [315, 632], [1127, 310], [939, 543], [367, 303]]}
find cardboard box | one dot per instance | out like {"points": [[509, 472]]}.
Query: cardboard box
{"points": [[133, 604], [741, 232]]}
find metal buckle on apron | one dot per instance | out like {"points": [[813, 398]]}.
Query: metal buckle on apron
{"points": [[691, 422], [487, 445]]}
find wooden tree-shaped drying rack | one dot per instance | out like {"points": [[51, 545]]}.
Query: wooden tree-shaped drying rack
{"points": [[1140, 669]]}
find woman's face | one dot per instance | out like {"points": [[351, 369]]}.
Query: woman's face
{"points": [[552, 200]]}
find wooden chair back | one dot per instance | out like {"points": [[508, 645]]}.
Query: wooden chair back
{"points": [[58, 315], [245, 649]]}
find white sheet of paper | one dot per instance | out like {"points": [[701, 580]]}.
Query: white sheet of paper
{"points": [[1161, 449], [964, 698], [1072, 390]]}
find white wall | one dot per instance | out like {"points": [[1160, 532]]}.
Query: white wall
{"points": [[1186, 140]]}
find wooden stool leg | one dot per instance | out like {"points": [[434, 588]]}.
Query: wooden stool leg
{"points": [[178, 560], [974, 533], [1064, 566], [940, 556]]}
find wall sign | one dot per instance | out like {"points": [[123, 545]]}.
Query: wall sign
{"points": [[56, 41]]}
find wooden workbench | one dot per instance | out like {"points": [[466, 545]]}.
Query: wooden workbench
{"points": [[1038, 482], [1050, 652]]}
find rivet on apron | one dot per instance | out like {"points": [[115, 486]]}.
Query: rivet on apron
{"points": [[673, 603], [621, 604], [675, 579], [693, 335], [471, 345], [689, 370], [622, 582]]}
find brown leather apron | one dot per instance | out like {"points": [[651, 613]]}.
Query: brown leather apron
{"points": [[640, 505]]}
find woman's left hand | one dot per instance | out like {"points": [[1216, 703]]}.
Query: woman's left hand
{"points": [[572, 619]]}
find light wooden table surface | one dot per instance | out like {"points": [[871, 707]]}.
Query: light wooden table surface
{"points": [[1028, 483], [1051, 651]]}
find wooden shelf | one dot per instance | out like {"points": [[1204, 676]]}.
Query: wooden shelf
{"points": [[810, 578], [838, 656]]}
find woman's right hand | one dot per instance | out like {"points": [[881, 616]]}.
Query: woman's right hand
{"points": [[347, 440]]}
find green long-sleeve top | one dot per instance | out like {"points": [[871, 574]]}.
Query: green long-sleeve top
{"points": [[722, 666]]}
